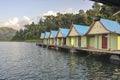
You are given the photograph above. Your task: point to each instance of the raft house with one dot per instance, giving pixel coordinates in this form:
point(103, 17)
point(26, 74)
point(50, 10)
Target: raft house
point(42, 37)
point(46, 40)
point(104, 34)
point(61, 36)
point(102, 37)
point(75, 37)
point(53, 39)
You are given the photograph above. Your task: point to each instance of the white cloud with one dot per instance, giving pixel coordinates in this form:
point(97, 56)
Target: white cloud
point(53, 13)
point(50, 13)
point(16, 23)
point(69, 10)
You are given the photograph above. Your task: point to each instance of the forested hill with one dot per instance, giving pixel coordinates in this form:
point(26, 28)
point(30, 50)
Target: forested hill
point(64, 20)
point(6, 33)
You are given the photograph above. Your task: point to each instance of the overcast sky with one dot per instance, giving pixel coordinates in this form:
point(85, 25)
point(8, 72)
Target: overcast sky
point(16, 13)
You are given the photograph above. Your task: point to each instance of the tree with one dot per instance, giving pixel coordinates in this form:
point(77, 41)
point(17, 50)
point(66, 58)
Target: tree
point(32, 31)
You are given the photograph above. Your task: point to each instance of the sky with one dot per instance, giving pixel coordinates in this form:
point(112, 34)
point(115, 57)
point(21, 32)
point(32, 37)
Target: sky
point(16, 13)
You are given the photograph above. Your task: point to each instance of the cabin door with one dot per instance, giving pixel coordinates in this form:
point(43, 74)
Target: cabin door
point(91, 42)
point(104, 41)
point(118, 42)
point(64, 41)
point(61, 41)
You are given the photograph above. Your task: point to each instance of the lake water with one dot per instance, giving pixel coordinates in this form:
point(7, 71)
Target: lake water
point(26, 61)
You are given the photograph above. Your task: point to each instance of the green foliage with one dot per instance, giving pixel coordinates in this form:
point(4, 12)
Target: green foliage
point(33, 30)
point(33, 40)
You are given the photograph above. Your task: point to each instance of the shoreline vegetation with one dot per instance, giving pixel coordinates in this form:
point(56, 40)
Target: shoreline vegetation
point(33, 40)
point(32, 31)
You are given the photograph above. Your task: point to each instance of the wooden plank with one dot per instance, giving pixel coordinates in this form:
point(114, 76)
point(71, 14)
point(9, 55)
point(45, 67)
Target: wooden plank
point(118, 42)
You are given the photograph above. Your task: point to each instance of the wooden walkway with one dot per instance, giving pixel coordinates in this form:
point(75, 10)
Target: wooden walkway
point(76, 49)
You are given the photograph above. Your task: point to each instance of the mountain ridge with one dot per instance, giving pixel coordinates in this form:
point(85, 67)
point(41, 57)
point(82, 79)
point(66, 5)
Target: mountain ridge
point(6, 33)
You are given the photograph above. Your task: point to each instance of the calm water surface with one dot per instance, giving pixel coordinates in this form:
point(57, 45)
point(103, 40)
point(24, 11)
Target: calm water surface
point(26, 61)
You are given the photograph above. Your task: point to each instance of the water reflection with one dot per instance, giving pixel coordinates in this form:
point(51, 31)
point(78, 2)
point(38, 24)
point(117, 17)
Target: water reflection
point(26, 61)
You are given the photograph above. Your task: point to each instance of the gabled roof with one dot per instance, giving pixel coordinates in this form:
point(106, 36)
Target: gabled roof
point(47, 34)
point(64, 31)
point(110, 25)
point(54, 33)
point(42, 35)
point(81, 29)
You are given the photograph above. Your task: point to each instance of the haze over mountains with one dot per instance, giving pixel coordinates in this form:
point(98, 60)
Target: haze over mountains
point(16, 23)
point(9, 28)
point(6, 33)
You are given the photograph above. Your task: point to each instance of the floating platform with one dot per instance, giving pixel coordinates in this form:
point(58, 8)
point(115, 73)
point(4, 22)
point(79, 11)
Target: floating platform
point(114, 55)
point(78, 49)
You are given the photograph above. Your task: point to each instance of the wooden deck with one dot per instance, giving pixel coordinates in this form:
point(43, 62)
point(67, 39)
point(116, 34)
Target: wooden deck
point(102, 51)
point(76, 49)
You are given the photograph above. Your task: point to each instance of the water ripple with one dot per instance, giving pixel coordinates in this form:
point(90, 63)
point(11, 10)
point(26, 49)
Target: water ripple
point(26, 61)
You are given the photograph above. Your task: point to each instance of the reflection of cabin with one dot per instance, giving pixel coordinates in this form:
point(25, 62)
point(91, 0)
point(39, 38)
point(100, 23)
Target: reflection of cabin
point(75, 36)
point(104, 34)
point(42, 37)
point(52, 37)
point(46, 38)
point(61, 36)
